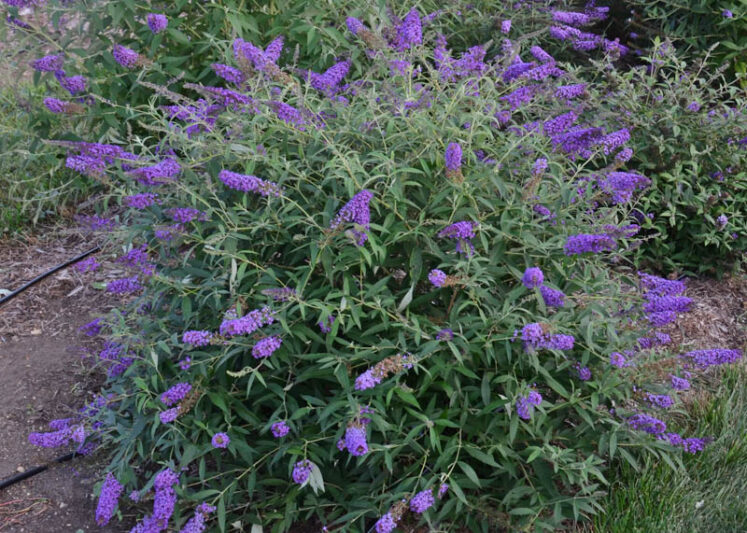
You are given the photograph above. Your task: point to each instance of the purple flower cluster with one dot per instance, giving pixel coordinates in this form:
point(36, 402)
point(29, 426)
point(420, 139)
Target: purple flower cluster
point(157, 22)
point(280, 429)
point(163, 504)
point(247, 324)
point(552, 297)
point(63, 434)
point(445, 334)
point(329, 82)
point(228, 73)
point(248, 183)
point(72, 84)
point(220, 440)
point(586, 242)
point(169, 415)
point(662, 401)
point(422, 501)
point(356, 211)
point(184, 215)
point(713, 357)
point(141, 200)
point(386, 524)
point(124, 286)
point(108, 499)
point(92, 329)
point(410, 32)
point(618, 360)
point(161, 172)
point(58, 106)
point(525, 405)
point(87, 265)
point(568, 92)
point(126, 57)
point(647, 423)
point(533, 277)
point(462, 232)
point(197, 338)
point(453, 157)
point(535, 338)
point(266, 347)
point(355, 441)
point(680, 383)
point(437, 277)
point(197, 524)
point(621, 185)
point(50, 63)
point(662, 299)
point(176, 394)
point(302, 471)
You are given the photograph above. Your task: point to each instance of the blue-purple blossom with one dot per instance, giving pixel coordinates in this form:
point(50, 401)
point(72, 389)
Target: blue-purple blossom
point(647, 423)
point(58, 106)
point(124, 286)
point(445, 334)
point(354, 25)
point(356, 211)
point(355, 441)
point(266, 347)
point(571, 18)
point(169, 415)
point(662, 401)
point(220, 440)
point(228, 73)
point(157, 22)
point(552, 297)
point(248, 183)
point(533, 277)
point(197, 524)
point(727, 14)
point(126, 57)
point(176, 394)
point(325, 326)
point(695, 444)
point(712, 357)
point(540, 55)
point(584, 372)
point(367, 380)
point(525, 405)
point(618, 360)
point(197, 338)
point(185, 363)
point(568, 92)
point(72, 84)
point(302, 471)
point(50, 63)
point(462, 232)
point(280, 429)
point(534, 338)
point(621, 185)
point(87, 265)
point(584, 242)
point(108, 499)
point(386, 524)
point(437, 277)
point(453, 157)
point(422, 501)
point(410, 32)
point(722, 221)
point(680, 383)
point(247, 324)
point(505, 26)
point(163, 504)
point(161, 172)
point(184, 215)
point(141, 200)
point(92, 328)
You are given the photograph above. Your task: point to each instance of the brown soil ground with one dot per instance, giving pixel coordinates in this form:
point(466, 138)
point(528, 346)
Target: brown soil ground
point(43, 377)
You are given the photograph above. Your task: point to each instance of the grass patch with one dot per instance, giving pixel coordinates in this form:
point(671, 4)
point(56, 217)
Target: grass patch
point(34, 184)
point(708, 495)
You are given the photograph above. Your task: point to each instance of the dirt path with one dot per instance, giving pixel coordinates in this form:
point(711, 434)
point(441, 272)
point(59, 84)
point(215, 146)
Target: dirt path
point(43, 376)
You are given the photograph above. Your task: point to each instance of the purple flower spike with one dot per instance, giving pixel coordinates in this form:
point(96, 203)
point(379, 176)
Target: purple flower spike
point(453, 157)
point(422, 501)
point(354, 25)
point(266, 347)
point(51, 63)
point(197, 338)
point(437, 277)
point(108, 497)
point(526, 404)
point(356, 211)
point(220, 440)
point(169, 415)
point(410, 32)
point(176, 394)
point(280, 429)
point(157, 22)
point(462, 232)
point(533, 277)
point(385, 524)
point(126, 57)
point(552, 297)
point(302, 471)
point(355, 441)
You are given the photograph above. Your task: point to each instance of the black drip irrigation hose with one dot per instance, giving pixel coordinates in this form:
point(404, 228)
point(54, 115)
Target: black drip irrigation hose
point(37, 279)
point(62, 458)
point(33, 471)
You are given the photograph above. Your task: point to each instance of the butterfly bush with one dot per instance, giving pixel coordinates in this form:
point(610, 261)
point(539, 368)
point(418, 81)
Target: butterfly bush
point(445, 368)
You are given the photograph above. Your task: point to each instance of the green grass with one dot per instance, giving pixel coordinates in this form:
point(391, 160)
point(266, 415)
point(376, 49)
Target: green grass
point(708, 496)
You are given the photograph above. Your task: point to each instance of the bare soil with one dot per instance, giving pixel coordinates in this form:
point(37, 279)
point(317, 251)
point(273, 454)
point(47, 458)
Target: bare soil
point(43, 376)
